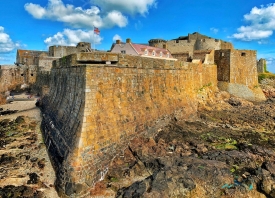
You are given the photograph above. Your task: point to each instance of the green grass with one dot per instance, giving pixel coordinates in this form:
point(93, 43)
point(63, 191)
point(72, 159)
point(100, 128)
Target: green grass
point(268, 75)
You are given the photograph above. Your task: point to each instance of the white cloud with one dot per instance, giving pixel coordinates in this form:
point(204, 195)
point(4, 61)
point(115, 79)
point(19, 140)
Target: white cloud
point(36, 10)
point(261, 24)
point(117, 37)
point(72, 37)
point(6, 43)
point(115, 18)
point(78, 17)
point(252, 35)
point(214, 30)
point(130, 6)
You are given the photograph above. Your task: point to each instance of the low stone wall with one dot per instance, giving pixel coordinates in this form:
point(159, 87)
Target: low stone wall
point(93, 110)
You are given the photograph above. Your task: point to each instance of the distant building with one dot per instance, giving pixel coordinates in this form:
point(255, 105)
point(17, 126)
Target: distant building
point(60, 51)
point(42, 60)
point(237, 66)
point(28, 57)
point(184, 47)
point(261, 66)
point(141, 50)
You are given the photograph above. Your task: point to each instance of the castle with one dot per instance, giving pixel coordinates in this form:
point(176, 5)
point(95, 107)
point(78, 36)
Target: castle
point(184, 47)
point(94, 103)
point(43, 59)
point(30, 64)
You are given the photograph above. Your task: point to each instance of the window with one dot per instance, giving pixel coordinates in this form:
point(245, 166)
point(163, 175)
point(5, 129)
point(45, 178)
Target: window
point(123, 52)
point(160, 54)
point(243, 54)
point(153, 53)
point(222, 54)
point(146, 52)
point(177, 41)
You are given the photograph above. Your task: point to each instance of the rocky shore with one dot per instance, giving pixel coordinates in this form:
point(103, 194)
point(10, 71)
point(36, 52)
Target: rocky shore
point(25, 168)
point(228, 151)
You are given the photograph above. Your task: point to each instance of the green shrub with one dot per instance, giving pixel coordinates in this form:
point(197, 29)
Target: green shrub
point(262, 76)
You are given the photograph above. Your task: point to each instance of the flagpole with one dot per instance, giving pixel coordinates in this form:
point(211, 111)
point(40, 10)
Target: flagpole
point(96, 31)
point(94, 37)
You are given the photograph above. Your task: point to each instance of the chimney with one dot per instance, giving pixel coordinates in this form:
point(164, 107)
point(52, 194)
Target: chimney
point(117, 41)
point(128, 40)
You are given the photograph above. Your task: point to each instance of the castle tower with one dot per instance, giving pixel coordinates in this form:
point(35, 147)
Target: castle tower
point(157, 43)
point(82, 46)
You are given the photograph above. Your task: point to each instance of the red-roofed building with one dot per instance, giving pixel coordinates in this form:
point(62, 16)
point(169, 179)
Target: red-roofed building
point(141, 50)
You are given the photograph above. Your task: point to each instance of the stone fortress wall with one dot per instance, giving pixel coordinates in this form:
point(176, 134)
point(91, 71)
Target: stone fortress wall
point(13, 76)
point(94, 109)
point(191, 43)
point(243, 68)
point(241, 78)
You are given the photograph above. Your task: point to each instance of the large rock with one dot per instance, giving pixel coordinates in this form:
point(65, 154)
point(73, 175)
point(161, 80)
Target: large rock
point(255, 95)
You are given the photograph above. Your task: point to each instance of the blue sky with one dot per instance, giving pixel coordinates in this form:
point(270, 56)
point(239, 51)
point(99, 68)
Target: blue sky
point(37, 24)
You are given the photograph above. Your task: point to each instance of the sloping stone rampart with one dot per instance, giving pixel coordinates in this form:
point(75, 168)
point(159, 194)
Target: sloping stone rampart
point(93, 110)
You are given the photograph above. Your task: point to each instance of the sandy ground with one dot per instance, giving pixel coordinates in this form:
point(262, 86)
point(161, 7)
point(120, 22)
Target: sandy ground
point(27, 108)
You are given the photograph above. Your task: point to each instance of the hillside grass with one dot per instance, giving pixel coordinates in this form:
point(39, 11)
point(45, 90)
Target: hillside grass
point(267, 75)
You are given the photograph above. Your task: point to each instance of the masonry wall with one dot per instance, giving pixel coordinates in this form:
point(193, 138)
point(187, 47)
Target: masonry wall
point(42, 84)
point(9, 78)
point(12, 77)
point(243, 68)
point(93, 110)
point(185, 56)
point(179, 46)
point(223, 61)
point(226, 45)
point(60, 51)
point(207, 44)
point(45, 63)
point(201, 54)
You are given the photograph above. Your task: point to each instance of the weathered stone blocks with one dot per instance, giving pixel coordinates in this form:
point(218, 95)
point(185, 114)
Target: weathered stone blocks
point(93, 110)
